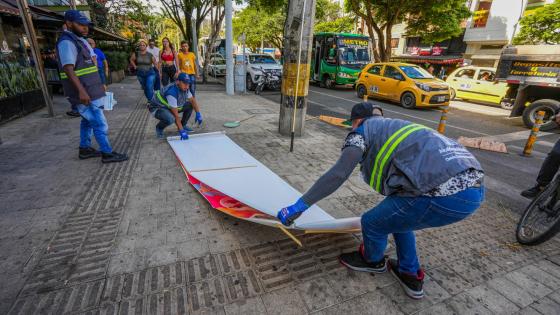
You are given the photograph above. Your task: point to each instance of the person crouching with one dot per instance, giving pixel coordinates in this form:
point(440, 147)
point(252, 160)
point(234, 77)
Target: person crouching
point(169, 102)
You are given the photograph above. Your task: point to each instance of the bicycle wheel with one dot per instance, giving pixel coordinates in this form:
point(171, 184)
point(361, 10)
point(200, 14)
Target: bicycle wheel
point(541, 219)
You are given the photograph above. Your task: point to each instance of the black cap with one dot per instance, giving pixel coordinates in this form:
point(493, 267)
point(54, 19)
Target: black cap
point(364, 110)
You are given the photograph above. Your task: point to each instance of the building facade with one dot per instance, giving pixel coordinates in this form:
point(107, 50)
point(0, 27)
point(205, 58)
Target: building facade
point(492, 26)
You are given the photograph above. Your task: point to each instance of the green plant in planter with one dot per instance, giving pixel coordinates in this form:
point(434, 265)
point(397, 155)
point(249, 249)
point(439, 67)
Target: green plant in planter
point(16, 79)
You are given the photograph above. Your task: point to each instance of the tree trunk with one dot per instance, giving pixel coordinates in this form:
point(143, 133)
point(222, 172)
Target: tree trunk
point(216, 18)
point(299, 20)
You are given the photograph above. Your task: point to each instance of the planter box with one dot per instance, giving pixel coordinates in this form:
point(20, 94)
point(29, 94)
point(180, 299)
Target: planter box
point(21, 104)
point(10, 108)
point(117, 76)
point(32, 101)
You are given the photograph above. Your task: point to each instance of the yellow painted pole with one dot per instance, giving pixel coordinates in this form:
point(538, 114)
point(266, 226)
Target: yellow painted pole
point(443, 120)
point(534, 132)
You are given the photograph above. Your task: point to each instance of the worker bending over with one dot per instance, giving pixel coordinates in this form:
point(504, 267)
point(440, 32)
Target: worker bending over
point(170, 101)
point(429, 181)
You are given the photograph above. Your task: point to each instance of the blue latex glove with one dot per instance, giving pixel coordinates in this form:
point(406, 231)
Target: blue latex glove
point(198, 118)
point(184, 134)
point(289, 214)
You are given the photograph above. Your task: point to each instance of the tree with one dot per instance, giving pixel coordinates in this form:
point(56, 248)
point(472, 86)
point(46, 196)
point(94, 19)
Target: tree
point(433, 20)
point(259, 26)
point(216, 18)
point(340, 25)
point(182, 12)
point(541, 27)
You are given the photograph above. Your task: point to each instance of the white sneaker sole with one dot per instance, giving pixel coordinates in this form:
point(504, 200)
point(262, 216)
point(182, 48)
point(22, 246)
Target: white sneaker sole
point(417, 295)
point(371, 270)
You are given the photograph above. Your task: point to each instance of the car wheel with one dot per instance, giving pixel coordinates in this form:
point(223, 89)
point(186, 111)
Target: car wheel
point(250, 84)
point(361, 91)
point(452, 94)
point(550, 108)
point(408, 100)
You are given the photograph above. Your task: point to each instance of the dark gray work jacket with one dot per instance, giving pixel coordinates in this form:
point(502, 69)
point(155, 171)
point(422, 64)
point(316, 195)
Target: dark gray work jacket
point(408, 159)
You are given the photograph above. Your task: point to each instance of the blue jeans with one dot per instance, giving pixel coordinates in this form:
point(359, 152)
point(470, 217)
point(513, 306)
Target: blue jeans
point(94, 122)
point(166, 118)
point(157, 82)
point(147, 80)
point(401, 216)
point(192, 86)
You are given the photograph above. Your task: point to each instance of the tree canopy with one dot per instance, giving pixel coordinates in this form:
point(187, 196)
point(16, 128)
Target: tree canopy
point(433, 20)
point(541, 27)
point(264, 20)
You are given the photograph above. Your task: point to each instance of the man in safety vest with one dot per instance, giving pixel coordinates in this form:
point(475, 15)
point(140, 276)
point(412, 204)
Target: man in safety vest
point(429, 181)
point(83, 87)
point(170, 101)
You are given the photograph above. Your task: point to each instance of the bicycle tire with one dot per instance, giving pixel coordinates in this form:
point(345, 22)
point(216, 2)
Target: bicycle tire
point(552, 231)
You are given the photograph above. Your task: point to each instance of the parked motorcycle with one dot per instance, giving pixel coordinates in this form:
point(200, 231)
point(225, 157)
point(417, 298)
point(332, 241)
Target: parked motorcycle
point(267, 79)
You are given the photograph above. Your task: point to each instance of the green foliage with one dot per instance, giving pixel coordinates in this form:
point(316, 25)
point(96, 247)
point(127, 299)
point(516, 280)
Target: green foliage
point(118, 60)
point(340, 25)
point(541, 27)
point(435, 20)
point(16, 79)
point(259, 25)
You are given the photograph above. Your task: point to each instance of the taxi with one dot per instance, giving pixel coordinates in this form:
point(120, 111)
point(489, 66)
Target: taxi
point(476, 84)
point(407, 84)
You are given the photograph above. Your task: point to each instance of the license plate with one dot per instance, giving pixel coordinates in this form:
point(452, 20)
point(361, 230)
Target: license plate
point(440, 99)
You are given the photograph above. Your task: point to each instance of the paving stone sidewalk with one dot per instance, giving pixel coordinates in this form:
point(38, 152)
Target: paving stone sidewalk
point(82, 237)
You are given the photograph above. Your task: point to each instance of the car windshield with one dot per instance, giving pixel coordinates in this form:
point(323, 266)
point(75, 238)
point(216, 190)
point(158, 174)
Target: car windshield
point(415, 72)
point(261, 59)
point(354, 55)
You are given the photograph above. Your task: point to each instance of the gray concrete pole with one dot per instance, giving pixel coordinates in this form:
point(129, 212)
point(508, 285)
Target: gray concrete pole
point(229, 47)
point(194, 47)
point(298, 38)
point(35, 53)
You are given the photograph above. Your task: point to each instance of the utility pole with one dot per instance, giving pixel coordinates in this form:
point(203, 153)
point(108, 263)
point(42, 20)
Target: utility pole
point(35, 53)
point(298, 36)
point(229, 47)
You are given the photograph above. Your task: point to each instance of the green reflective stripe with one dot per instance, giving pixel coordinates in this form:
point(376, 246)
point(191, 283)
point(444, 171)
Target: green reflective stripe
point(390, 152)
point(161, 99)
point(382, 151)
point(81, 72)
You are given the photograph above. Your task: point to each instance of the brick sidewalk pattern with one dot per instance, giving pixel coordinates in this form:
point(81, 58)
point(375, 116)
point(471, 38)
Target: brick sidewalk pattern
point(85, 238)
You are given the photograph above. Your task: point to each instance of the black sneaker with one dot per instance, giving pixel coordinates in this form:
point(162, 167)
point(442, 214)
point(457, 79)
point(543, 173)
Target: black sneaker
point(113, 157)
point(356, 261)
point(412, 284)
point(87, 153)
point(532, 192)
point(73, 113)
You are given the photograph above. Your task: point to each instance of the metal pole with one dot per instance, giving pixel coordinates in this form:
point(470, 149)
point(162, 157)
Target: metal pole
point(244, 62)
point(292, 135)
point(35, 53)
point(229, 47)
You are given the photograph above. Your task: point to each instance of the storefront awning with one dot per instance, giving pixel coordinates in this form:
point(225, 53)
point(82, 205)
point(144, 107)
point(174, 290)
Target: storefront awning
point(10, 7)
point(441, 60)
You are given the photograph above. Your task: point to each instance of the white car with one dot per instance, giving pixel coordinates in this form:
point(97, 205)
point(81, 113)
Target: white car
point(217, 65)
point(256, 63)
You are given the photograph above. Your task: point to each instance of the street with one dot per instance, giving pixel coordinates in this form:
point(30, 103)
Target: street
point(506, 174)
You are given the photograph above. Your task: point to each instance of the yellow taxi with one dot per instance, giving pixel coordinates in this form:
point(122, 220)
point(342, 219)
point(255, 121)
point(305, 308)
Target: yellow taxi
point(476, 84)
point(408, 84)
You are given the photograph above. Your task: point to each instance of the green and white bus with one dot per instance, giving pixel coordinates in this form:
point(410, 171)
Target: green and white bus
point(338, 58)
